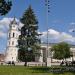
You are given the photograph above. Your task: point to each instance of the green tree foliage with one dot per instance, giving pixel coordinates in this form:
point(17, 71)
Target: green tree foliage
point(61, 50)
point(5, 7)
point(28, 40)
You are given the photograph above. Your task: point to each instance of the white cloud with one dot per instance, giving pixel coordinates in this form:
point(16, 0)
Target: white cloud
point(55, 36)
point(66, 37)
point(53, 32)
point(2, 34)
point(5, 22)
point(72, 23)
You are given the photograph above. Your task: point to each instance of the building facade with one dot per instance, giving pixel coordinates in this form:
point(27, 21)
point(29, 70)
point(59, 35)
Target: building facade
point(50, 55)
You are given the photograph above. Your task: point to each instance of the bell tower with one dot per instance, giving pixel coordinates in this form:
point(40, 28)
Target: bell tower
point(12, 50)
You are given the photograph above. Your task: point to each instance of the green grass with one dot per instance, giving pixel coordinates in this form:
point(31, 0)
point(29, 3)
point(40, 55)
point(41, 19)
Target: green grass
point(21, 70)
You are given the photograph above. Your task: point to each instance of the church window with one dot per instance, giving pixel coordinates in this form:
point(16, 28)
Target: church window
point(12, 42)
point(9, 42)
point(13, 34)
point(9, 35)
point(12, 57)
point(13, 25)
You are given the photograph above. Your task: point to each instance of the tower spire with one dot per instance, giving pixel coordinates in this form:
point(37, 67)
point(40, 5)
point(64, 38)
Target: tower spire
point(13, 21)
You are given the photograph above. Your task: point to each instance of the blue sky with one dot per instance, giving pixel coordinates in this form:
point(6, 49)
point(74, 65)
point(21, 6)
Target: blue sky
point(61, 18)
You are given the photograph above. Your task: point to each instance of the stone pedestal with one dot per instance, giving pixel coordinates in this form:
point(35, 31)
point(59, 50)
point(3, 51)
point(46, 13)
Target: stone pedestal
point(49, 62)
point(39, 58)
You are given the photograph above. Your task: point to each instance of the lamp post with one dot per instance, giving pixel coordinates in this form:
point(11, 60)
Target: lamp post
point(47, 4)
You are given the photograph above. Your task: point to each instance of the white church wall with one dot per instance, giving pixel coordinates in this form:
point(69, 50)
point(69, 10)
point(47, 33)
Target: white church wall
point(11, 54)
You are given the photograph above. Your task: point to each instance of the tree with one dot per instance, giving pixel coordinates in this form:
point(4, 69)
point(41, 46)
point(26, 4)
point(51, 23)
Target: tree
point(28, 41)
point(5, 7)
point(61, 51)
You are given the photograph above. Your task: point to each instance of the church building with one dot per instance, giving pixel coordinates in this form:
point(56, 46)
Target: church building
point(11, 53)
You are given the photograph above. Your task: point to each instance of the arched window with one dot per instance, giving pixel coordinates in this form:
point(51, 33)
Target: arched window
point(9, 42)
point(12, 57)
point(13, 34)
point(9, 35)
point(12, 42)
point(14, 26)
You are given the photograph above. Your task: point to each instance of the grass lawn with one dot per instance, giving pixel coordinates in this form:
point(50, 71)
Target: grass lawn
point(21, 70)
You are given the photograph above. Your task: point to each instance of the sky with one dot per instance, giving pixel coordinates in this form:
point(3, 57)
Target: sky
point(61, 20)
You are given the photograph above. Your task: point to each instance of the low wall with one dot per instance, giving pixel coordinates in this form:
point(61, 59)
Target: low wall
point(31, 63)
point(19, 63)
point(55, 63)
point(35, 64)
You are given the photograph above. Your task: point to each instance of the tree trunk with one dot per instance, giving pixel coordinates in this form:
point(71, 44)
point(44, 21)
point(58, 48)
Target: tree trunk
point(25, 64)
point(72, 59)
